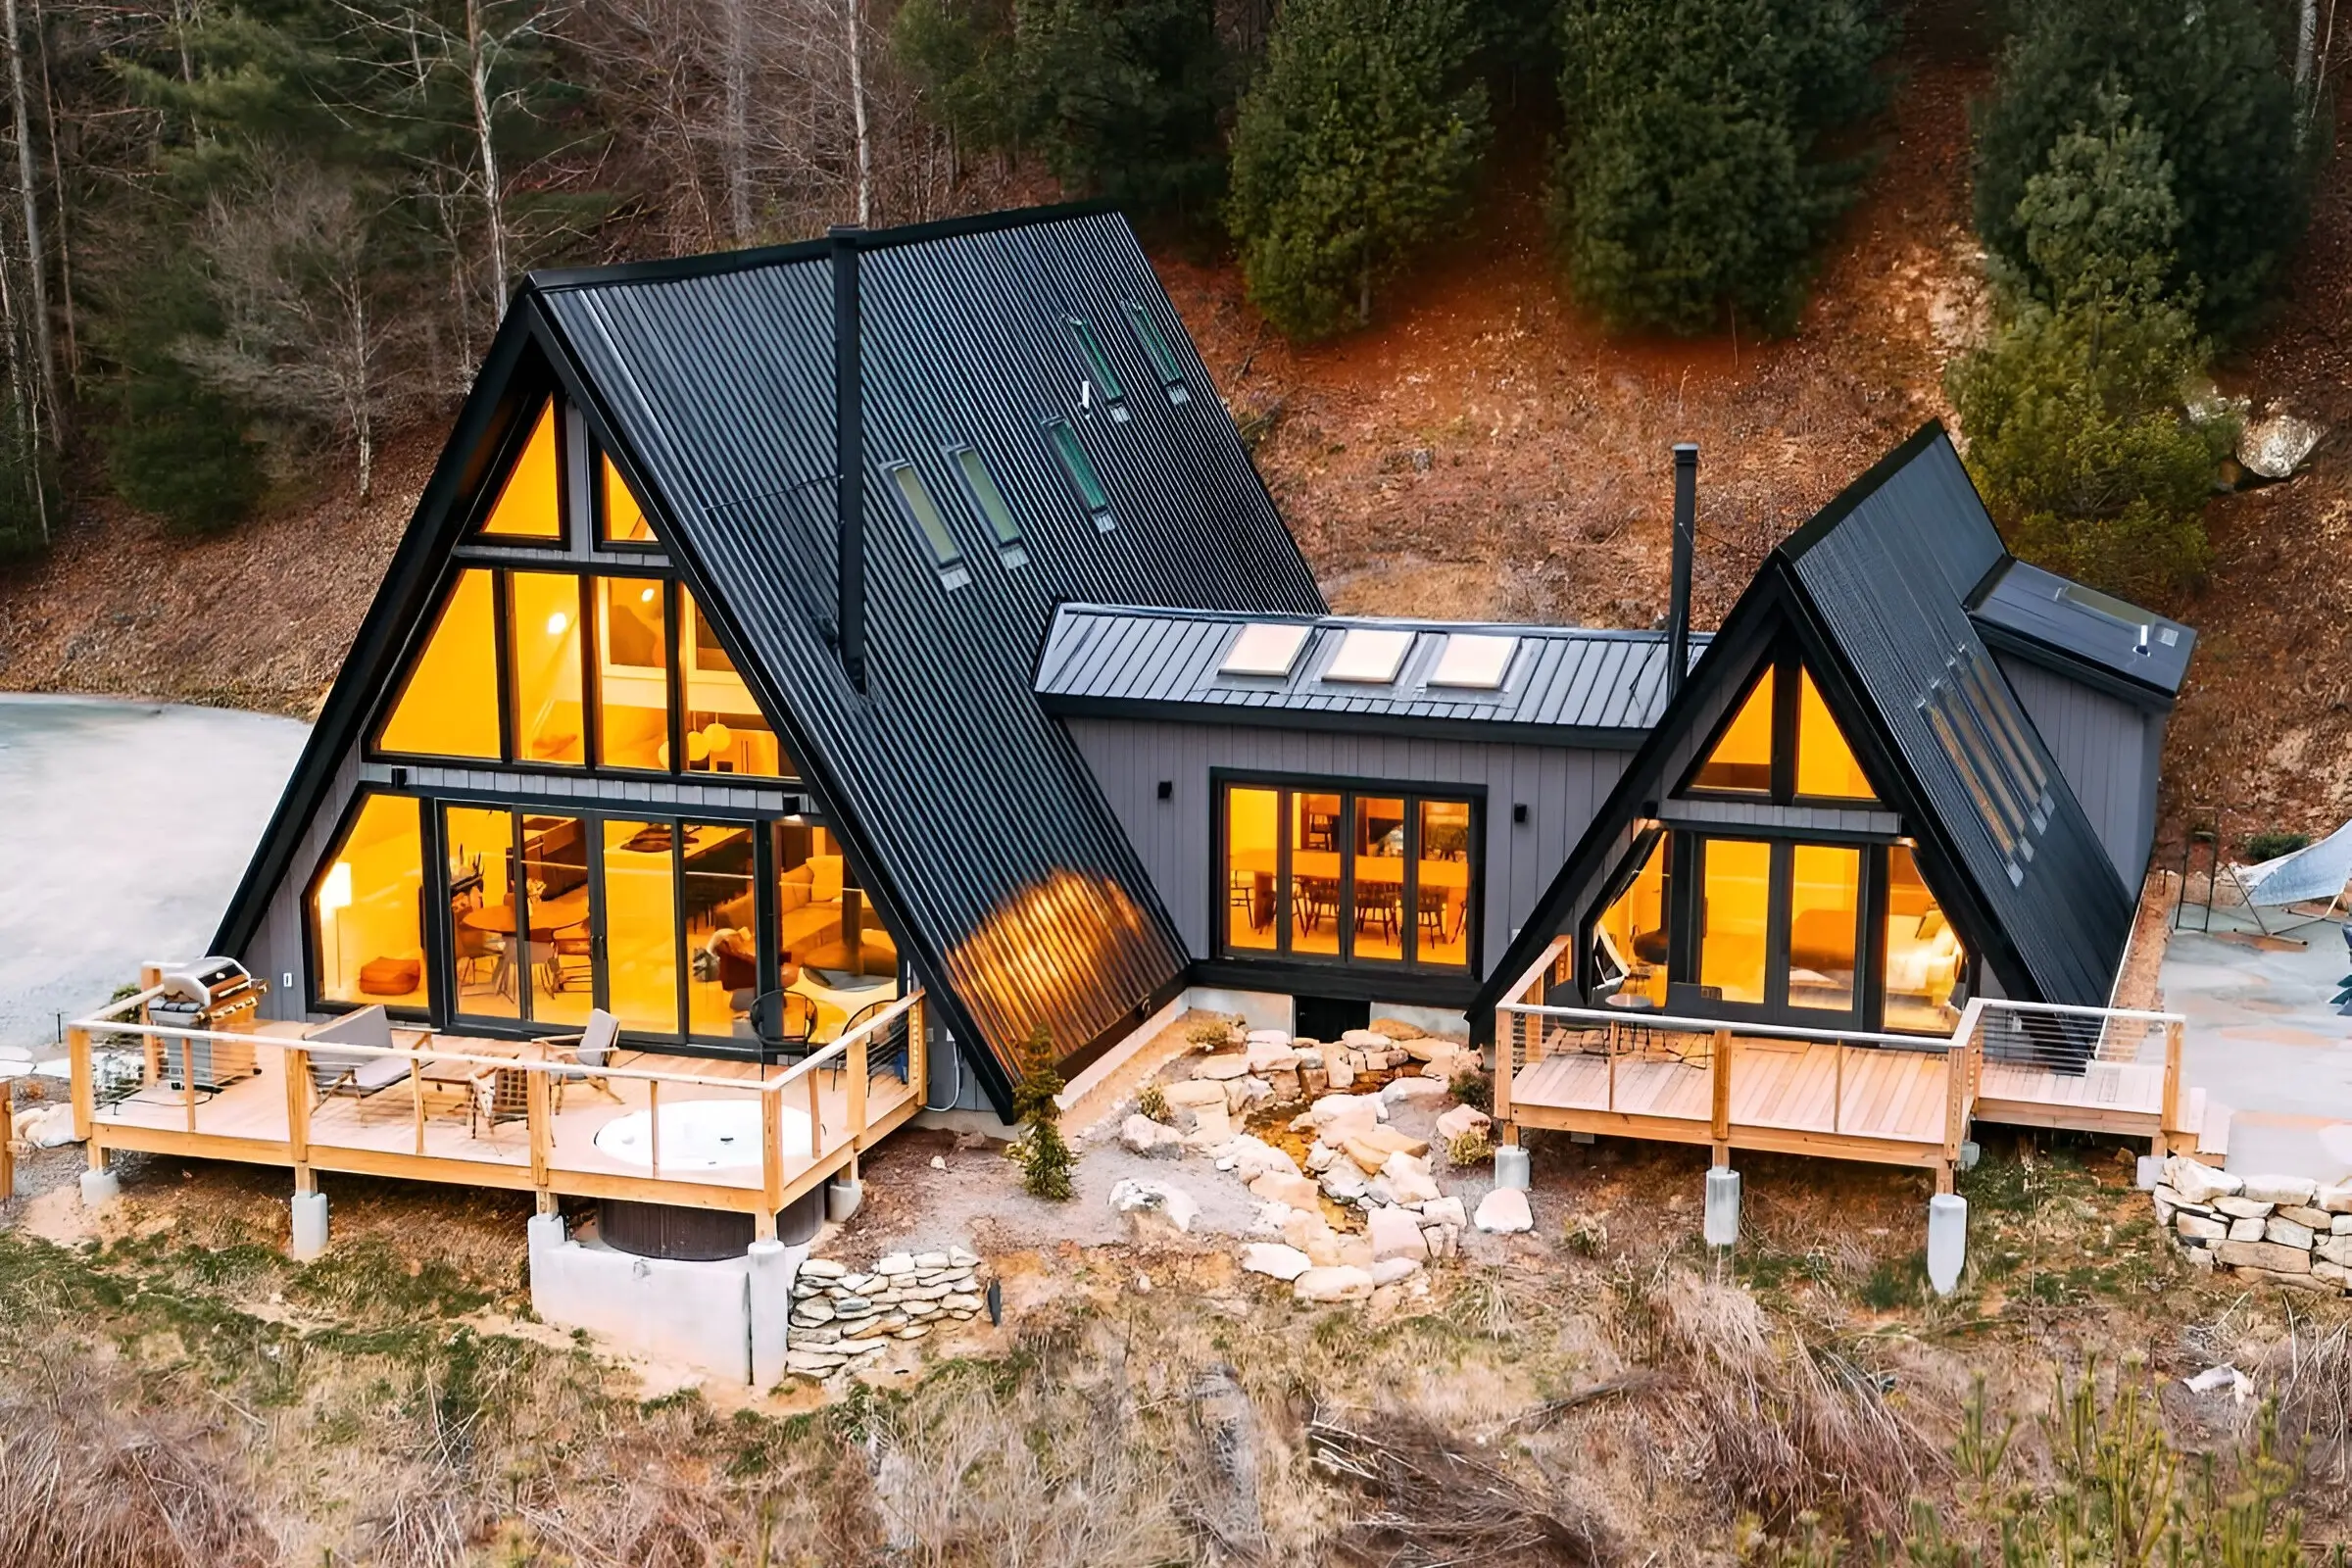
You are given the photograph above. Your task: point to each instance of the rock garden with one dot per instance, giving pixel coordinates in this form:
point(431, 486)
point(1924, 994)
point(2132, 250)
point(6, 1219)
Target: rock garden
point(2287, 1230)
point(1346, 1149)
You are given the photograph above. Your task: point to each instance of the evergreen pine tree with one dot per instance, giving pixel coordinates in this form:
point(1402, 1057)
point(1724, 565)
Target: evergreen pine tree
point(2208, 80)
point(1125, 99)
point(1355, 148)
point(1044, 1158)
point(1687, 183)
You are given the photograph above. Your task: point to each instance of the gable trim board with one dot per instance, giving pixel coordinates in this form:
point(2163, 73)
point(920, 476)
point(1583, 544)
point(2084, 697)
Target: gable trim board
point(1874, 589)
point(966, 812)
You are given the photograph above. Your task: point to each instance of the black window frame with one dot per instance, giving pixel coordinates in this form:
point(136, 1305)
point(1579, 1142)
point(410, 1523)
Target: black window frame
point(510, 452)
point(600, 504)
point(921, 507)
point(1789, 670)
point(978, 481)
point(1096, 356)
point(1411, 794)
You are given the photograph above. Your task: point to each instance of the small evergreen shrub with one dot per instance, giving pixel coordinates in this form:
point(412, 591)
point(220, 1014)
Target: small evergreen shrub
point(1152, 1103)
point(1476, 1088)
point(1043, 1156)
point(2272, 842)
point(1470, 1148)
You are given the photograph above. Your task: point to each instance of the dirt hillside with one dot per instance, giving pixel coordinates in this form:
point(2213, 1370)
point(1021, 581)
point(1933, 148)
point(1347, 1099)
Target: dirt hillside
point(1484, 450)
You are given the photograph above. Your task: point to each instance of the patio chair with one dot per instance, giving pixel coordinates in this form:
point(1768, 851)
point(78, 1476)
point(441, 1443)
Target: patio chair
point(782, 1021)
point(358, 1074)
point(591, 1049)
point(500, 1095)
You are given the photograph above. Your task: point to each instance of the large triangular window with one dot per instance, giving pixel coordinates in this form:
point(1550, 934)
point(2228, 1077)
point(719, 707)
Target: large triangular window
point(448, 703)
point(1782, 743)
point(530, 503)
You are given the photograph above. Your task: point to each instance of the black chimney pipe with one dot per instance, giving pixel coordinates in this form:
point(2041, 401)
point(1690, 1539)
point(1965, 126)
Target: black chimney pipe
point(849, 457)
point(1686, 539)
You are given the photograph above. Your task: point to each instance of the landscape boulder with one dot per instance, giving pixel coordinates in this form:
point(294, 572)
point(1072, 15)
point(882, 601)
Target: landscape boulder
point(1392, 1270)
point(1272, 1258)
point(1285, 1186)
point(2292, 1190)
point(1154, 1209)
point(2268, 1256)
point(1462, 1119)
point(1194, 1091)
point(2238, 1208)
point(1504, 1211)
point(1343, 1283)
point(1218, 1069)
point(2275, 446)
point(1395, 1234)
point(1401, 1089)
point(1141, 1135)
point(2200, 1184)
point(1444, 1211)
point(1252, 1158)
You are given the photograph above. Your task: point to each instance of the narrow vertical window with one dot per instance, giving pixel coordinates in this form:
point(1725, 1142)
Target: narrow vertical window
point(1252, 869)
point(1923, 957)
point(1441, 884)
point(632, 674)
point(1737, 876)
point(1824, 908)
point(368, 909)
point(987, 495)
point(486, 950)
point(1316, 873)
point(1155, 349)
point(1377, 920)
point(543, 660)
point(1629, 944)
point(946, 552)
point(1107, 380)
point(726, 731)
point(1080, 470)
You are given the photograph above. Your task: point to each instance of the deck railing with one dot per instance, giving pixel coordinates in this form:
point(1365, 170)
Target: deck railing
point(1860, 1091)
point(892, 1041)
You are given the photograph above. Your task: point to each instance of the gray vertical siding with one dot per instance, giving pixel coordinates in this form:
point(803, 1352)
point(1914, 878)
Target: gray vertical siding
point(277, 951)
point(1563, 789)
point(2107, 748)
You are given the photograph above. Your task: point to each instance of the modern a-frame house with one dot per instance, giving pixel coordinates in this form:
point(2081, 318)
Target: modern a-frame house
point(792, 628)
point(704, 667)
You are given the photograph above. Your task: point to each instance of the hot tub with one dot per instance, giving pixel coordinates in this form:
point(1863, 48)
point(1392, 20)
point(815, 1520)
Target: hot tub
point(698, 1134)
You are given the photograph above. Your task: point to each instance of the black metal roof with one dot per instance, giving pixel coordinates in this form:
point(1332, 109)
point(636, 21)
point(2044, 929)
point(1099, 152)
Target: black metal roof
point(1877, 586)
point(2052, 620)
point(985, 837)
point(1560, 686)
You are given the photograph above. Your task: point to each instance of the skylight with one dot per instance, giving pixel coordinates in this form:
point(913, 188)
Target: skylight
point(1107, 380)
point(1080, 472)
point(945, 551)
point(1474, 660)
point(1157, 349)
point(1370, 655)
point(985, 494)
point(1268, 648)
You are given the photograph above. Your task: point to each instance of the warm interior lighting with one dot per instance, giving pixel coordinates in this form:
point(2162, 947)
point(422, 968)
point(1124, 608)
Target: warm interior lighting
point(366, 929)
point(448, 702)
point(557, 623)
point(1925, 960)
point(1737, 905)
point(1630, 941)
point(1825, 762)
point(530, 503)
point(545, 681)
point(624, 521)
point(1824, 910)
point(646, 597)
point(1741, 760)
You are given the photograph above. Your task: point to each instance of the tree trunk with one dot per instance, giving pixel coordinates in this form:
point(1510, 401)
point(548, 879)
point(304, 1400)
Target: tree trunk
point(2307, 43)
point(736, 142)
point(35, 256)
point(363, 423)
point(866, 181)
point(477, 74)
point(56, 195)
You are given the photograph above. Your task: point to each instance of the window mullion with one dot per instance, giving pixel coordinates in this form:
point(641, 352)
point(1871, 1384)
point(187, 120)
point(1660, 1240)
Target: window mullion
point(1282, 808)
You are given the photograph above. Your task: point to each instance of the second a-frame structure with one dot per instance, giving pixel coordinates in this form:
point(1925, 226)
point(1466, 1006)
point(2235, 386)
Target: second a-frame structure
point(1846, 817)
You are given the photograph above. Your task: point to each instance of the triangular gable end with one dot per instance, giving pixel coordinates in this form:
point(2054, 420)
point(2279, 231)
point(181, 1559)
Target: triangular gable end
point(1781, 741)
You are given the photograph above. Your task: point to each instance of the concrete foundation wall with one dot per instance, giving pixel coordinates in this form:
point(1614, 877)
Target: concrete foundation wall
point(700, 1315)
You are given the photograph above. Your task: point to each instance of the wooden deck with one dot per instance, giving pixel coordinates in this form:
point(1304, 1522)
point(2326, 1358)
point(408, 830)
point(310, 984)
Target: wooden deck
point(797, 1126)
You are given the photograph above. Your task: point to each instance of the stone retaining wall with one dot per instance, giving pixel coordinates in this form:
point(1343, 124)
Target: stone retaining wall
point(2287, 1230)
point(842, 1319)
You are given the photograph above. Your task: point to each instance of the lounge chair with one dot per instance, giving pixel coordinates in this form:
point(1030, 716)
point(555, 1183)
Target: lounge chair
point(591, 1049)
point(358, 1074)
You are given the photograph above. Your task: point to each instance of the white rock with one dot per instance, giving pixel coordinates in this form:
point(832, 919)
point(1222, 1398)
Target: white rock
point(1401, 1089)
point(957, 1258)
point(1429, 1047)
point(1504, 1211)
point(895, 1265)
point(1444, 1240)
point(1194, 1091)
point(2311, 1219)
point(1284, 1263)
point(2341, 1224)
point(2197, 1183)
point(1395, 1234)
point(2336, 1250)
point(2167, 1205)
point(1244, 1092)
point(2197, 1228)
point(1462, 1119)
point(2334, 1200)
point(822, 1268)
point(1220, 1068)
point(1345, 1183)
point(1389, 1270)
point(1365, 1039)
point(1339, 1284)
point(2275, 446)
point(1252, 1158)
point(2286, 1233)
point(1320, 1156)
point(2247, 1230)
point(1211, 1127)
point(930, 1263)
point(2295, 1190)
point(2241, 1208)
point(1338, 1070)
point(1268, 1037)
point(813, 1364)
point(1444, 1211)
point(1141, 1135)
point(1285, 1186)
point(1268, 1057)
point(939, 1163)
point(1154, 1209)
point(1310, 1053)
point(1409, 1179)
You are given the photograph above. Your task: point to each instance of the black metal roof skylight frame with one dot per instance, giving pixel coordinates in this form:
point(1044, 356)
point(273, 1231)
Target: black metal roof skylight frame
point(988, 499)
point(930, 522)
point(1155, 349)
point(1078, 467)
point(1098, 359)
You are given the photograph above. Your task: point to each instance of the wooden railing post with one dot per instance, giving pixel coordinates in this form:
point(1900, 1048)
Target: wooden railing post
point(85, 1089)
point(857, 1056)
point(8, 1133)
point(297, 1066)
point(1723, 1097)
point(653, 1123)
point(1838, 1091)
point(816, 1119)
point(1507, 1040)
point(771, 1157)
point(534, 1103)
point(2169, 1134)
point(918, 1047)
